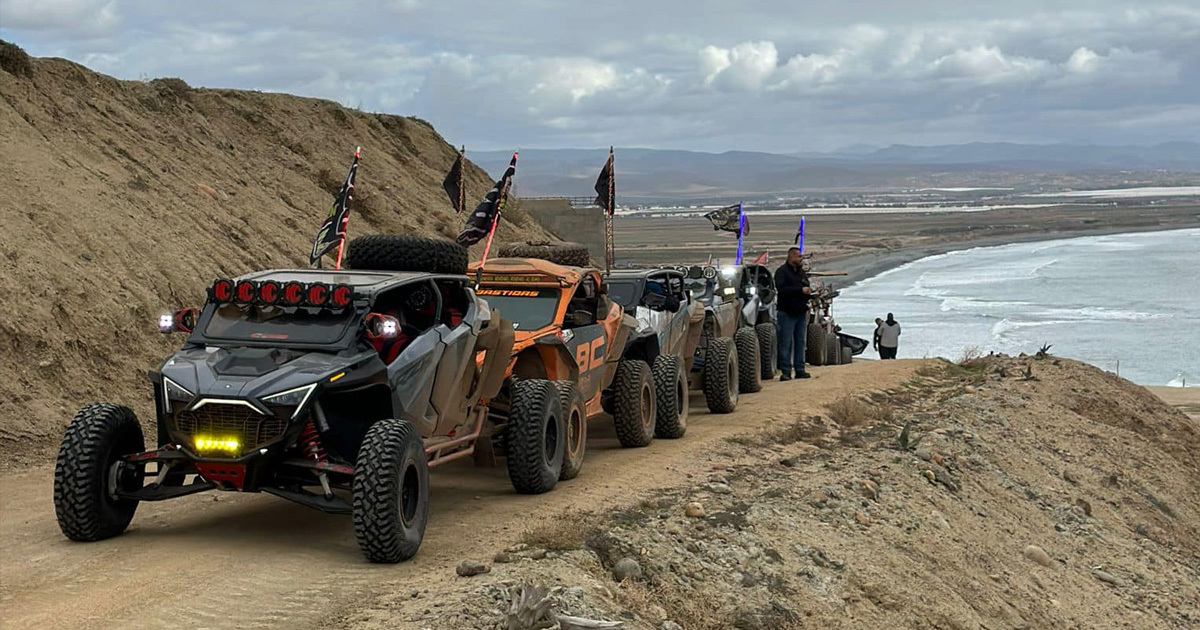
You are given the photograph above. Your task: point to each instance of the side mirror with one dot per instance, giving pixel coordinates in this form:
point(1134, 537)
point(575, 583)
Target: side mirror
point(582, 318)
point(654, 301)
point(380, 326)
point(183, 320)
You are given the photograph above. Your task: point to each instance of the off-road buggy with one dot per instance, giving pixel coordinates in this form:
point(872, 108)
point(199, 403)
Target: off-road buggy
point(570, 337)
point(825, 343)
point(726, 361)
point(670, 322)
point(756, 287)
point(334, 389)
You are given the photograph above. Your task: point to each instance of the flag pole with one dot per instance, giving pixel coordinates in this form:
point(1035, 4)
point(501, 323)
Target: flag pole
point(610, 253)
point(800, 236)
point(346, 223)
point(741, 231)
point(503, 201)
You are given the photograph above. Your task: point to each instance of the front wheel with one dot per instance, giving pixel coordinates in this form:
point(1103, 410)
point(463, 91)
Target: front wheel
point(89, 471)
point(671, 389)
point(535, 437)
point(749, 368)
point(768, 350)
point(634, 404)
point(391, 492)
point(833, 349)
point(721, 375)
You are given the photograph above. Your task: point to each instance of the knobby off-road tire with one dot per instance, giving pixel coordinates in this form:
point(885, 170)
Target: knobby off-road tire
point(847, 355)
point(814, 346)
point(721, 376)
point(97, 437)
point(833, 349)
point(386, 252)
point(536, 436)
point(570, 254)
point(749, 366)
point(634, 404)
point(391, 492)
point(574, 412)
point(768, 350)
point(671, 390)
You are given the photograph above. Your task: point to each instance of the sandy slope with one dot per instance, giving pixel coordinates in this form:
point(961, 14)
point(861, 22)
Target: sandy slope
point(122, 200)
point(257, 561)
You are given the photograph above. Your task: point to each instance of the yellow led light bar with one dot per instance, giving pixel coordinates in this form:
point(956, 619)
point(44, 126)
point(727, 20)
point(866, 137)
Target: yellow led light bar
point(216, 444)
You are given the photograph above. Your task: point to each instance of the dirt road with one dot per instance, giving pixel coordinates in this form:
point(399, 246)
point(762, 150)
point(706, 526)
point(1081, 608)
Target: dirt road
point(225, 560)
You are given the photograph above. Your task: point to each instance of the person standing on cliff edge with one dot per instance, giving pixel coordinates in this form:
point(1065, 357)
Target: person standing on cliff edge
point(889, 338)
point(792, 285)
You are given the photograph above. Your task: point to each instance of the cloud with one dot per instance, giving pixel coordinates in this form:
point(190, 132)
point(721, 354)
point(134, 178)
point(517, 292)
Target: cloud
point(702, 74)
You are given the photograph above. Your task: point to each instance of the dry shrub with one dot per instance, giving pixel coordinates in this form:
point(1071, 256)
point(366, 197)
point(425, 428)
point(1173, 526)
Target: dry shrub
point(806, 429)
point(852, 414)
point(14, 60)
point(690, 609)
point(569, 532)
point(172, 87)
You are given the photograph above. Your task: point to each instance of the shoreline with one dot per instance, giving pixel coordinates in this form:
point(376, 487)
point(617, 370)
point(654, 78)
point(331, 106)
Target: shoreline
point(860, 266)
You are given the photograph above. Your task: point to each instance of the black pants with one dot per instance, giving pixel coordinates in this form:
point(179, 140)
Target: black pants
point(887, 353)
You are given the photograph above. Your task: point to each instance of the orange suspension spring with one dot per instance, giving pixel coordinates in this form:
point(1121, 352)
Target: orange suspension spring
point(310, 442)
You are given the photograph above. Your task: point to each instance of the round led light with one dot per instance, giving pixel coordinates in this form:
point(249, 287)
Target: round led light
point(222, 291)
point(268, 292)
point(293, 293)
point(341, 296)
point(245, 292)
point(318, 294)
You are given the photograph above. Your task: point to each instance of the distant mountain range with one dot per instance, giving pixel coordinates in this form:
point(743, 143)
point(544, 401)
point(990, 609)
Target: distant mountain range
point(653, 175)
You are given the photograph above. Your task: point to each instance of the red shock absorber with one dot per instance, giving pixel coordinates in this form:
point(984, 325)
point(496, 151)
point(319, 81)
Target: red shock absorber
point(310, 442)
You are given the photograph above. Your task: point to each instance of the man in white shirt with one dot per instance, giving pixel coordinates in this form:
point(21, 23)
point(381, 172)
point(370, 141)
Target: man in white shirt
point(889, 338)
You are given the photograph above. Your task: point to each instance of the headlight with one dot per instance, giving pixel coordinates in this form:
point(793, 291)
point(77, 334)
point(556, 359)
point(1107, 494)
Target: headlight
point(291, 398)
point(729, 272)
point(174, 391)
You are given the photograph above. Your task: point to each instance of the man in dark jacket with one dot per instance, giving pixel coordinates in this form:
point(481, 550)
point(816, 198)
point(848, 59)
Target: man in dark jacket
point(791, 283)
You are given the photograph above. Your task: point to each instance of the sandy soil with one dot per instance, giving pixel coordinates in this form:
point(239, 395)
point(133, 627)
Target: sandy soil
point(1186, 399)
point(257, 561)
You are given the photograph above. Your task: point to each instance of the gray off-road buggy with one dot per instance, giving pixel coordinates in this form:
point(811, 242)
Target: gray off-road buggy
point(670, 322)
point(825, 343)
point(726, 362)
point(757, 290)
point(334, 389)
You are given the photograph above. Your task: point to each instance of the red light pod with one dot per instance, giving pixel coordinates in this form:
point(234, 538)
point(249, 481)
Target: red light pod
point(341, 296)
point(245, 292)
point(268, 292)
point(222, 291)
point(318, 294)
point(293, 293)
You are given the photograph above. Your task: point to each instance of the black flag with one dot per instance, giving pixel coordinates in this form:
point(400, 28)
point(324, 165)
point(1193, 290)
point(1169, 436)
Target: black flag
point(483, 218)
point(606, 189)
point(728, 219)
point(453, 184)
point(333, 230)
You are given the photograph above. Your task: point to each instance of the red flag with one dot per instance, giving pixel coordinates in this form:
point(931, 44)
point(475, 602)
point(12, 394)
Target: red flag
point(762, 258)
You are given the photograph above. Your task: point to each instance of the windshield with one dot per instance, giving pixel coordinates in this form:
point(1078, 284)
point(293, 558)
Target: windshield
point(279, 324)
point(624, 292)
point(528, 309)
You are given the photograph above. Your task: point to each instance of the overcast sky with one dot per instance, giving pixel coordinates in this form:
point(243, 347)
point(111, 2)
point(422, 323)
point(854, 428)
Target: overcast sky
point(784, 75)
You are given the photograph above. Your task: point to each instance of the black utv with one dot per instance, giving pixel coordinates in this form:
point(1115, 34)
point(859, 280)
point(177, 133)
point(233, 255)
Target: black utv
point(334, 389)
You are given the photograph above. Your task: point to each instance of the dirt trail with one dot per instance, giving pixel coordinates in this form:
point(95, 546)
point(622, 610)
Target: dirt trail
point(256, 561)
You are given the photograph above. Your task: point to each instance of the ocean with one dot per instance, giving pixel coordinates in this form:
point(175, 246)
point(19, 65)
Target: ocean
point(1126, 303)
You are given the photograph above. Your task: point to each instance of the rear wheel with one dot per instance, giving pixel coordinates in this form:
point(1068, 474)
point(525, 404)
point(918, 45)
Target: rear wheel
point(536, 436)
point(671, 390)
point(391, 492)
point(833, 349)
point(575, 419)
point(749, 368)
point(634, 403)
point(88, 472)
point(721, 376)
point(814, 345)
point(768, 350)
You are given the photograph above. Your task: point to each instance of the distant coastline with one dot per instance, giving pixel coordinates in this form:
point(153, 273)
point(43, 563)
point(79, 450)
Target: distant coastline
point(862, 265)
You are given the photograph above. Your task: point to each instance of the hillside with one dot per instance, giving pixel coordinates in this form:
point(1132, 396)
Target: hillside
point(122, 200)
